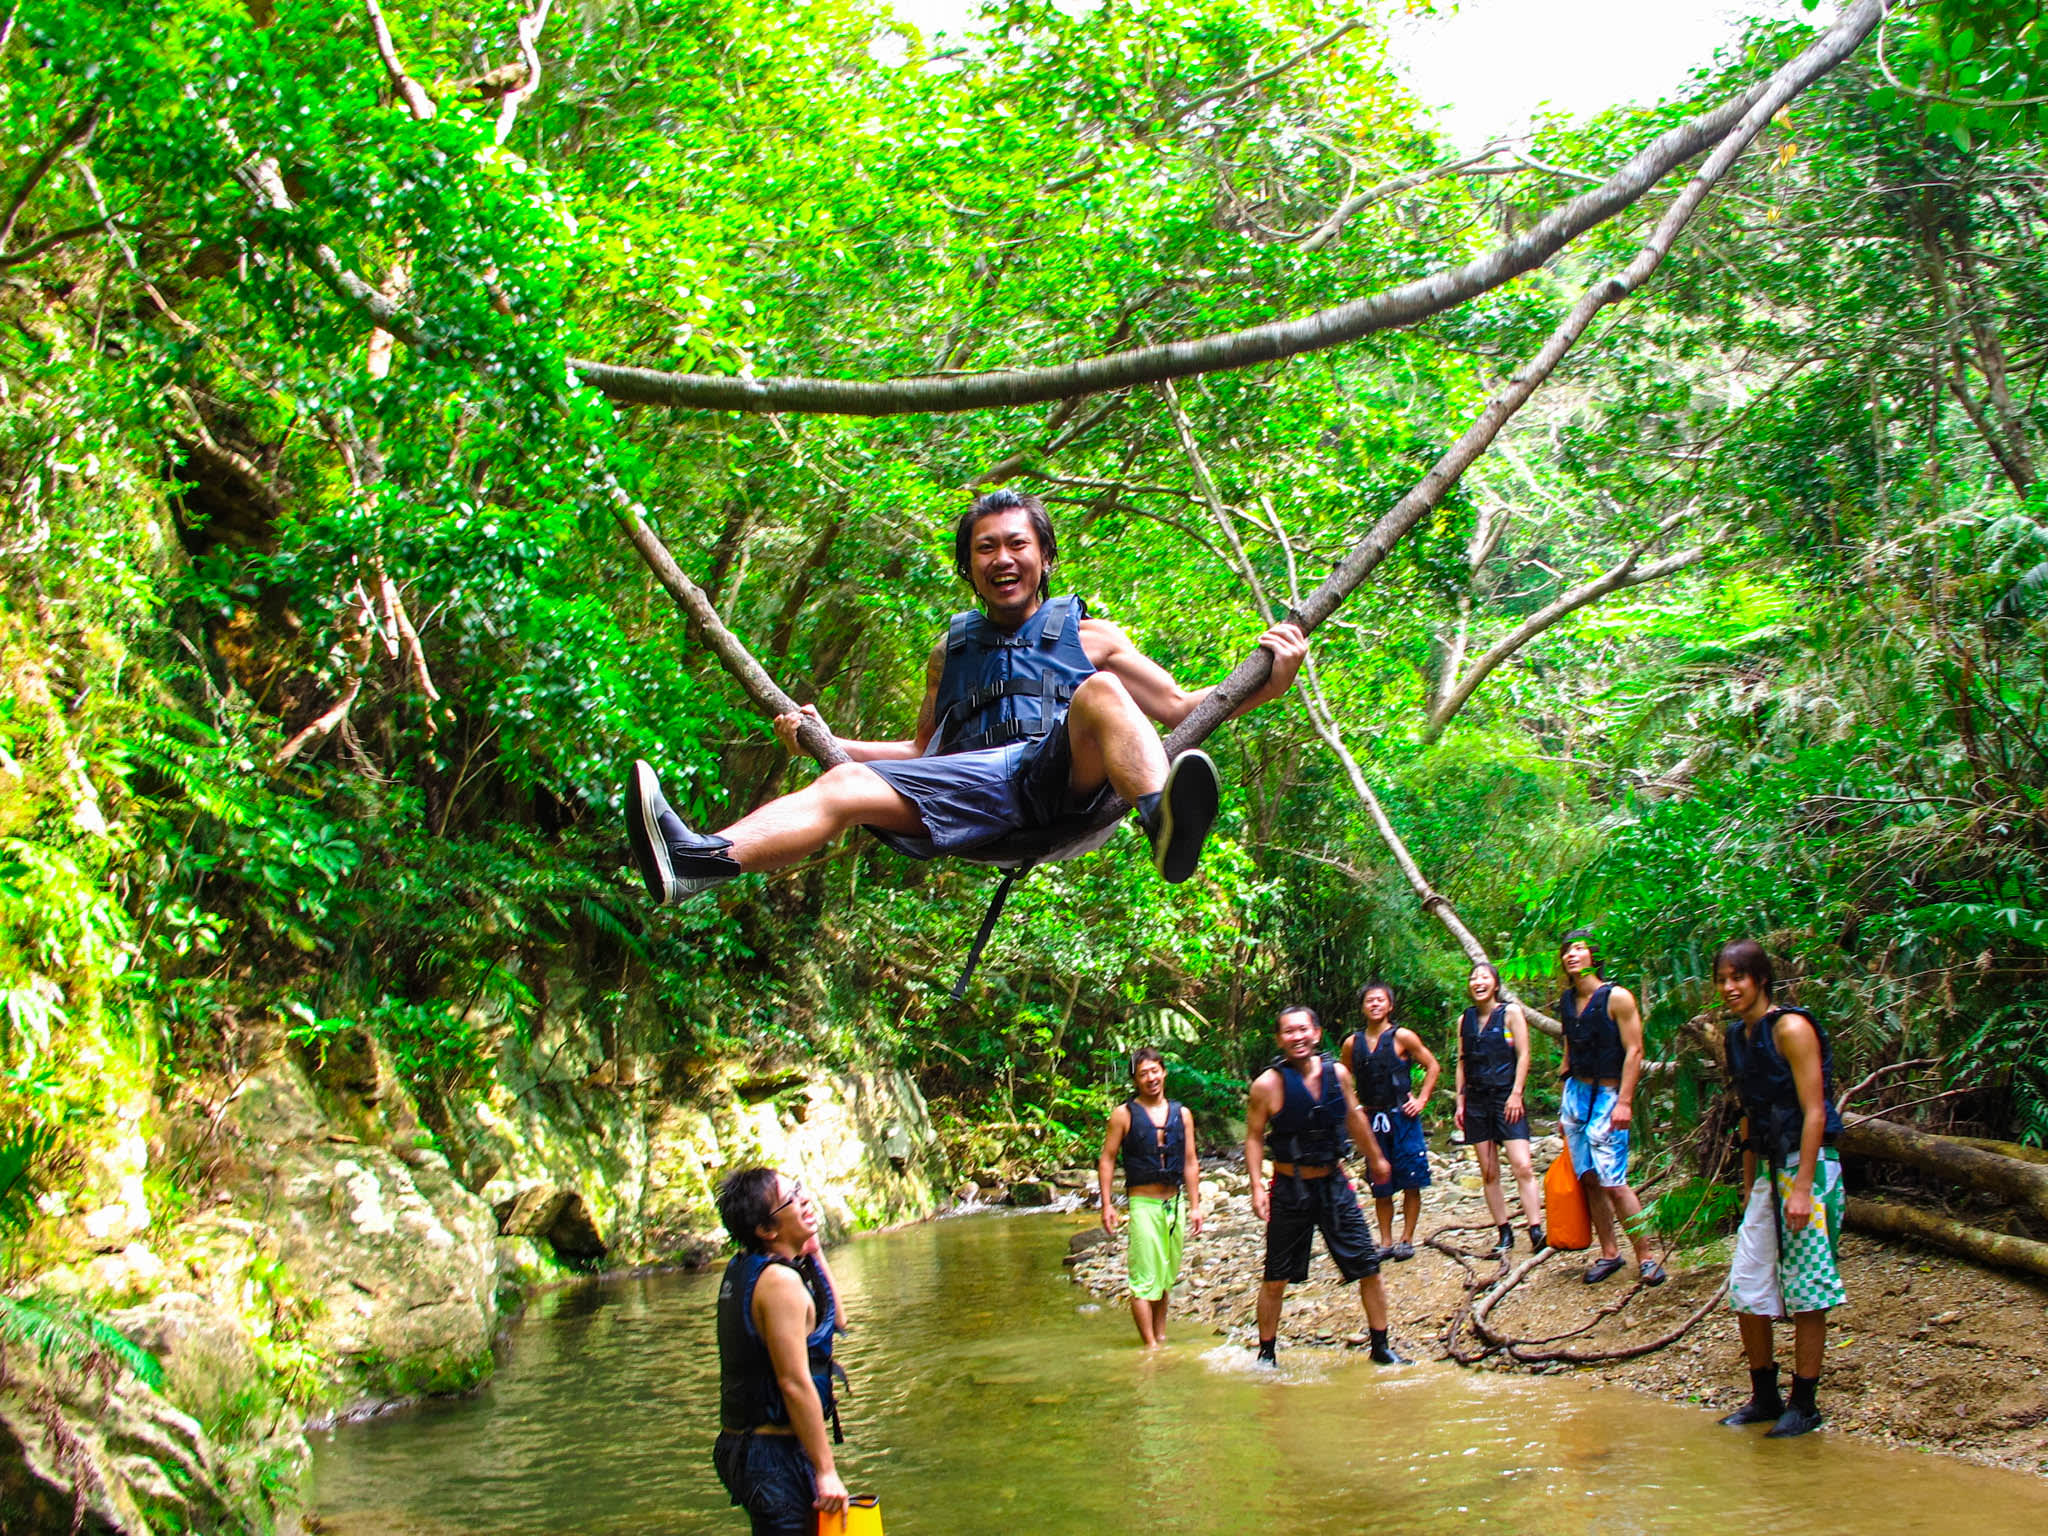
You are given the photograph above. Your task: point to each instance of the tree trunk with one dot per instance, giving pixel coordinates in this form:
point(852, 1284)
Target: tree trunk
point(2025, 1184)
point(1883, 1219)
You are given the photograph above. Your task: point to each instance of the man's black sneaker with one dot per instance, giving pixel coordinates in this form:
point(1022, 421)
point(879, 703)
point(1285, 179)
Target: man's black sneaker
point(1601, 1269)
point(674, 861)
point(1769, 1411)
point(1794, 1421)
point(1178, 818)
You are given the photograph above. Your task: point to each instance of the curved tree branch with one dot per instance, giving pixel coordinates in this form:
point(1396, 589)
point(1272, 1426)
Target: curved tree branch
point(1733, 122)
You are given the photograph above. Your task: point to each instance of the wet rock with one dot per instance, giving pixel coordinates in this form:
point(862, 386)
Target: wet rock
point(1087, 1238)
point(1031, 1192)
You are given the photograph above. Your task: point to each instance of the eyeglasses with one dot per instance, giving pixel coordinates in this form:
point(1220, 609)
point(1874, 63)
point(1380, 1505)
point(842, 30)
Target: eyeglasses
point(796, 1193)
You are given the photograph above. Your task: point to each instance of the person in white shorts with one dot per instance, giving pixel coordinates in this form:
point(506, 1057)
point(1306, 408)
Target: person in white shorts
point(1784, 1263)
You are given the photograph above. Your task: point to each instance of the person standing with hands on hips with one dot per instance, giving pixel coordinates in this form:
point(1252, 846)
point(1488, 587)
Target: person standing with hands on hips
point(1381, 1058)
point(1163, 1184)
point(1603, 1061)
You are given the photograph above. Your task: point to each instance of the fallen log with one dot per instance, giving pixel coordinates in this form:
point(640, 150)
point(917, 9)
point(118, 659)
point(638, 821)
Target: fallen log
point(2012, 1149)
point(2024, 1184)
point(1881, 1218)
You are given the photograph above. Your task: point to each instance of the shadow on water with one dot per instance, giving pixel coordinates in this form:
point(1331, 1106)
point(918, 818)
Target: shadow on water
point(988, 1394)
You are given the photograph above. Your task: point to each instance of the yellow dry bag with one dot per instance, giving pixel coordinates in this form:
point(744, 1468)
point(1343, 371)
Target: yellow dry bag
point(863, 1517)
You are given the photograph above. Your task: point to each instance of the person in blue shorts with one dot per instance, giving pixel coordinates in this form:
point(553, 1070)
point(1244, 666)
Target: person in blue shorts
point(1034, 714)
point(1382, 1058)
point(1603, 1061)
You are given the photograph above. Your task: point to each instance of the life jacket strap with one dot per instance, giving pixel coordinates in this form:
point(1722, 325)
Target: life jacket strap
point(988, 925)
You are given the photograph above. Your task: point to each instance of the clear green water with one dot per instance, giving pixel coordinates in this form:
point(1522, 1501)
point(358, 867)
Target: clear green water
point(991, 1398)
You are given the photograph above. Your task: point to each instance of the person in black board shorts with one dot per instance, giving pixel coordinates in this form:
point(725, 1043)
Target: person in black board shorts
point(1784, 1263)
point(1307, 1102)
point(1603, 1059)
point(1381, 1059)
point(777, 1313)
point(1493, 1069)
point(1162, 1183)
point(1033, 714)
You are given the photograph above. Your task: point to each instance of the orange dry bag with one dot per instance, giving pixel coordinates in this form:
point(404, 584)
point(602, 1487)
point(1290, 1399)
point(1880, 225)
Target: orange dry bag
point(863, 1517)
point(1566, 1221)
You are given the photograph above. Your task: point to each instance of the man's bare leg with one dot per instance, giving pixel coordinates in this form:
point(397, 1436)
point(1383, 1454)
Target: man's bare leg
point(1159, 1318)
point(1622, 1200)
point(1271, 1294)
point(795, 826)
point(1111, 740)
point(1141, 1314)
point(1372, 1295)
point(1602, 1214)
point(1411, 1213)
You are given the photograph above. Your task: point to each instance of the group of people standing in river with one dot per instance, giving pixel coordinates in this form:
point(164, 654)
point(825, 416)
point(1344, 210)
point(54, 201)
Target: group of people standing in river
point(1037, 719)
point(1307, 1112)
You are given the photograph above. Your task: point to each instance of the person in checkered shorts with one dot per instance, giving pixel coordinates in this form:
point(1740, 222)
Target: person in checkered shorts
point(1784, 1262)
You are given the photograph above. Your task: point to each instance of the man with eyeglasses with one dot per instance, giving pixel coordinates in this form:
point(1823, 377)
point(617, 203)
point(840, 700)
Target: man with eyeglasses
point(777, 1313)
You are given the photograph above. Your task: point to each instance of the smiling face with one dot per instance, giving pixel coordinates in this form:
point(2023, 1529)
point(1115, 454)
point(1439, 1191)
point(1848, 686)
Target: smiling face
point(793, 1220)
point(1576, 958)
point(1150, 1076)
point(1482, 986)
point(1298, 1035)
point(1006, 564)
point(1377, 1006)
point(1743, 993)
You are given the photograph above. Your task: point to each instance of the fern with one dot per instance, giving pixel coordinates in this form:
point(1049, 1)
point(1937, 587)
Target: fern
point(57, 1331)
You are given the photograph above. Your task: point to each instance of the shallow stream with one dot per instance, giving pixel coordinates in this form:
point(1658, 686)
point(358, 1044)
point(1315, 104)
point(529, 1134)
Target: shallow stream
point(992, 1396)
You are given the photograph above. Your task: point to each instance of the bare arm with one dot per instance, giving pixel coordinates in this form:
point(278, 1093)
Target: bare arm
point(816, 1249)
point(1518, 1026)
point(1409, 1041)
point(1621, 1007)
point(1105, 1163)
point(1153, 689)
point(1360, 1125)
point(1257, 1111)
point(1800, 1047)
point(1191, 1171)
point(1458, 1099)
point(782, 1313)
point(880, 751)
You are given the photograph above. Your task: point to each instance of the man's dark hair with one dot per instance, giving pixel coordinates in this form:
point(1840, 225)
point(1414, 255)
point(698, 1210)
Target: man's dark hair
point(1574, 937)
point(1145, 1053)
point(1313, 1017)
point(989, 506)
point(746, 1203)
point(1376, 985)
point(1746, 957)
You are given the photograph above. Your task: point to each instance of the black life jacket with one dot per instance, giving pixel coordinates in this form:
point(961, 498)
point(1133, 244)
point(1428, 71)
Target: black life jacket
point(748, 1394)
point(1002, 686)
point(1384, 1078)
point(1487, 1050)
point(1594, 1038)
point(1155, 1154)
point(1769, 1093)
point(1308, 1130)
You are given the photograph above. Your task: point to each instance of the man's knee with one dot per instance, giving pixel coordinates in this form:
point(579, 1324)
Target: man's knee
point(1103, 695)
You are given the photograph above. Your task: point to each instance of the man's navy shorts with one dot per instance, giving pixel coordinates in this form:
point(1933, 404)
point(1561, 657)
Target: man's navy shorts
point(1300, 1208)
point(769, 1476)
point(1404, 1145)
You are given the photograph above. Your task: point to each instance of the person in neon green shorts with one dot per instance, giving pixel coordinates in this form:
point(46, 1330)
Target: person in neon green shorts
point(1162, 1181)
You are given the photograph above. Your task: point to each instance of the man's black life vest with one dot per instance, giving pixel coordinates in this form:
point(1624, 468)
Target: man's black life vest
point(1594, 1038)
point(1002, 686)
point(1769, 1093)
point(1384, 1078)
point(748, 1394)
point(1488, 1051)
point(1308, 1130)
point(1155, 1154)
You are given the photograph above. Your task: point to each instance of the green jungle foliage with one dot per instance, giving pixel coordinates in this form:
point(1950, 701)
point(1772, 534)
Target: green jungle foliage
point(321, 659)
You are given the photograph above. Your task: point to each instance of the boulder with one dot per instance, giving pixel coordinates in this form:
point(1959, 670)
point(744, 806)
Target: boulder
point(1032, 1192)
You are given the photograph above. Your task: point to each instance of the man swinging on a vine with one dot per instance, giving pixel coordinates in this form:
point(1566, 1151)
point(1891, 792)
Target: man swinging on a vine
point(1033, 715)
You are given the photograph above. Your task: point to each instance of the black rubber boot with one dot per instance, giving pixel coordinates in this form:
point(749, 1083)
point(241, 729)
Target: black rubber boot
point(1383, 1351)
point(1765, 1402)
point(1800, 1416)
point(1506, 1245)
point(1535, 1238)
point(673, 861)
point(1178, 818)
point(1269, 1353)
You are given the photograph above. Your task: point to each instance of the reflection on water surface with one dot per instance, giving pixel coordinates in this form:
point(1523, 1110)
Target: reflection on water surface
point(986, 1399)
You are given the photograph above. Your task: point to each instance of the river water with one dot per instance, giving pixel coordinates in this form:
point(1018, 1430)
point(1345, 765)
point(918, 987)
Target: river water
point(992, 1397)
